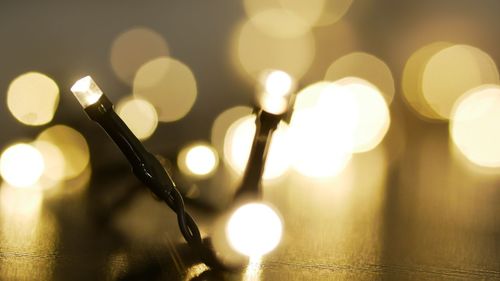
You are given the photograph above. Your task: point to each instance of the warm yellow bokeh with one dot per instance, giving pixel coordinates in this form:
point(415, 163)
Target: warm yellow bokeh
point(312, 12)
point(453, 71)
point(321, 130)
point(199, 160)
point(21, 165)
point(55, 164)
point(474, 125)
point(364, 66)
point(72, 145)
point(133, 48)
point(413, 76)
point(333, 120)
point(255, 51)
point(238, 142)
point(169, 85)
point(139, 115)
point(254, 229)
point(32, 98)
point(373, 118)
point(333, 11)
point(222, 123)
point(279, 23)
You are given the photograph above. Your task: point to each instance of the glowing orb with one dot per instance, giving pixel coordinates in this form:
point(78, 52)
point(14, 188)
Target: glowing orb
point(254, 229)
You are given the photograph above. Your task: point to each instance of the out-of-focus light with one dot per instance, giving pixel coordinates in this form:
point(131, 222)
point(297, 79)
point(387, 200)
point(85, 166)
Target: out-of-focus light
point(453, 71)
point(313, 12)
point(133, 48)
point(86, 91)
point(277, 87)
point(412, 79)
point(54, 163)
point(321, 146)
point(364, 66)
point(307, 13)
point(474, 125)
point(169, 85)
point(280, 23)
point(238, 142)
point(255, 51)
point(373, 117)
point(333, 11)
point(254, 229)
point(322, 130)
point(198, 160)
point(72, 145)
point(21, 165)
point(139, 115)
point(32, 98)
point(223, 122)
point(21, 204)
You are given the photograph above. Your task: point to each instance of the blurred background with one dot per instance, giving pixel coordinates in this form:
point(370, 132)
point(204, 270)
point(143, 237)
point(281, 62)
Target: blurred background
point(388, 166)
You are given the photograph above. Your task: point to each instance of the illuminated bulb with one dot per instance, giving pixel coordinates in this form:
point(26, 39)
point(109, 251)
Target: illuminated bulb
point(254, 229)
point(198, 160)
point(21, 165)
point(276, 93)
point(86, 91)
point(278, 83)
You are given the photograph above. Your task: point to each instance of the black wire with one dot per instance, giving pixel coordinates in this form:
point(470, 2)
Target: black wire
point(187, 225)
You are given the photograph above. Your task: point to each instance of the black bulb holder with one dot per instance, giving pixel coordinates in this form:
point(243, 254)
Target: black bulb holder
point(265, 124)
point(149, 171)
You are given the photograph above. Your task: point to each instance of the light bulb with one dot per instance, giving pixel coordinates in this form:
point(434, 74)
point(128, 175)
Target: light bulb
point(254, 229)
point(86, 91)
point(277, 88)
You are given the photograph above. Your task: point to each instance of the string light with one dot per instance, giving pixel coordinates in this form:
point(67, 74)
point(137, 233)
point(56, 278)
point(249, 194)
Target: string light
point(277, 85)
point(145, 165)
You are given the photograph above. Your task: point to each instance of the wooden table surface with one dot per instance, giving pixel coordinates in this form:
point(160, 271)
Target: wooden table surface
point(423, 215)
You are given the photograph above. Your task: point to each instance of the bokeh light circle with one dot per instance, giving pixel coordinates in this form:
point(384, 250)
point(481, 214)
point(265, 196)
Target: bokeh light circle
point(21, 165)
point(312, 12)
point(222, 123)
point(474, 126)
point(255, 51)
point(364, 66)
point(133, 48)
point(254, 229)
point(199, 160)
point(169, 85)
point(279, 23)
point(54, 163)
point(453, 71)
point(139, 115)
point(238, 142)
point(412, 79)
point(72, 145)
point(32, 98)
point(373, 118)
